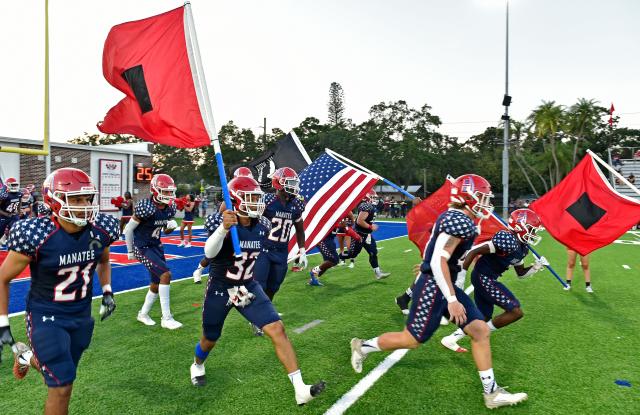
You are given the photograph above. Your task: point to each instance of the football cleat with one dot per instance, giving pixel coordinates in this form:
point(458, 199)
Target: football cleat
point(181, 244)
point(198, 377)
point(444, 321)
point(451, 343)
point(310, 392)
point(382, 275)
point(351, 264)
point(257, 331)
point(170, 323)
point(145, 319)
point(296, 268)
point(341, 263)
point(314, 282)
point(187, 245)
point(589, 289)
point(357, 357)
point(22, 360)
point(402, 301)
point(566, 287)
point(501, 397)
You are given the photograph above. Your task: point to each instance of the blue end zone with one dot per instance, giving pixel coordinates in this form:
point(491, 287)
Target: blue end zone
point(128, 277)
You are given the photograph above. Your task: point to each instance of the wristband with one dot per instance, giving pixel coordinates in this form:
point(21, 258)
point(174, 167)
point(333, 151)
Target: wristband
point(371, 226)
point(452, 299)
point(4, 320)
point(106, 289)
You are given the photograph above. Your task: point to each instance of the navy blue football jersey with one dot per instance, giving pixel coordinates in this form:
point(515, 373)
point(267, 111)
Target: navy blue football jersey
point(62, 264)
point(455, 223)
point(509, 251)
point(371, 216)
point(224, 267)
point(152, 222)
point(10, 202)
point(282, 217)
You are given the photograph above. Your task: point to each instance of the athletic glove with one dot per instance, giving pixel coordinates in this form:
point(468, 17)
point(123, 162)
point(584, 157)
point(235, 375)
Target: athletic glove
point(108, 305)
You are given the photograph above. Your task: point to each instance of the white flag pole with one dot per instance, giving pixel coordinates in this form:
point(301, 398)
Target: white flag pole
point(613, 171)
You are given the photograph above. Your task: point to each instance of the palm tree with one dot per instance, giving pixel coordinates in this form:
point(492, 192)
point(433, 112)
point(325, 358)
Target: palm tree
point(517, 131)
point(583, 117)
point(547, 121)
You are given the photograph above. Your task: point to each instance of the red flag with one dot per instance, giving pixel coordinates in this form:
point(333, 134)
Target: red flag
point(611, 115)
point(421, 218)
point(331, 189)
point(148, 61)
point(488, 228)
point(584, 212)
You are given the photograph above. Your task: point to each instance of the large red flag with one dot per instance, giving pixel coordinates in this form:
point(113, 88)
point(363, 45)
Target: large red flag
point(421, 218)
point(584, 212)
point(148, 61)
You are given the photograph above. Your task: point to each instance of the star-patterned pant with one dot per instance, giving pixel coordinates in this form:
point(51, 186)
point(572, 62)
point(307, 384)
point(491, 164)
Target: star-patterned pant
point(371, 248)
point(328, 249)
point(152, 258)
point(429, 305)
point(488, 292)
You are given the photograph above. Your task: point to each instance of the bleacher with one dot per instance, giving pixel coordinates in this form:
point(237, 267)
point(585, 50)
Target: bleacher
point(630, 164)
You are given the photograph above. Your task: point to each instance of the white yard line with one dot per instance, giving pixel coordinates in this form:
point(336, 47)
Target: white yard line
point(365, 383)
point(307, 326)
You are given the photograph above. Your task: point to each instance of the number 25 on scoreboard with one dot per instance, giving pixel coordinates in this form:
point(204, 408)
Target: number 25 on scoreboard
point(143, 174)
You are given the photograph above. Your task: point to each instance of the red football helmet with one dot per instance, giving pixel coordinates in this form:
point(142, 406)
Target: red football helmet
point(243, 172)
point(247, 197)
point(371, 197)
point(12, 184)
point(475, 192)
point(285, 178)
point(525, 223)
point(68, 182)
point(163, 189)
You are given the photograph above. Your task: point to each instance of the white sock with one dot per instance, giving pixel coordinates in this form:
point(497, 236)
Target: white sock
point(148, 302)
point(377, 270)
point(369, 346)
point(491, 326)
point(488, 380)
point(409, 292)
point(296, 381)
point(316, 269)
point(165, 300)
point(459, 334)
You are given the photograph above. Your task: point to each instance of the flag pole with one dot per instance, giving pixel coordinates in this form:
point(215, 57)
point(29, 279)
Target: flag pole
point(301, 148)
point(613, 171)
point(366, 170)
point(200, 84)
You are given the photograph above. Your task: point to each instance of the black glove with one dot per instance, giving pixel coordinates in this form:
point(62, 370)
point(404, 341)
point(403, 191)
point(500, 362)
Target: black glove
point(107, 306)
point(5, 336)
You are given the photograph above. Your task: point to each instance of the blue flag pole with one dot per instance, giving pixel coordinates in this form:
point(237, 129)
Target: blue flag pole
point(200, 84)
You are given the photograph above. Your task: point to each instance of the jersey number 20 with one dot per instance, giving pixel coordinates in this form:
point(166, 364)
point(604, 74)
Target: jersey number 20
point(280, 224)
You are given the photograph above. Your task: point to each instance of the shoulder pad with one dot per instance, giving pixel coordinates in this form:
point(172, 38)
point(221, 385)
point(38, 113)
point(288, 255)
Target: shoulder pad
point(212, 222)
point(27, 235)
point(458, 224)
point(266, 223)
point(144, 209)
point(505, 241)
point(110, 225)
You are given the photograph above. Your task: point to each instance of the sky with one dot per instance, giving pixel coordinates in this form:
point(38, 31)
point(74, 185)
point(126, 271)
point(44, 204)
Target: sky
point(277, 58)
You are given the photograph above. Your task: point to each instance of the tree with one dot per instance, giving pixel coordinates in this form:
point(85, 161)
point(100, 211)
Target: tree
point(584, 118)
point(336, 105)
point(547, 122)
point(104, 139)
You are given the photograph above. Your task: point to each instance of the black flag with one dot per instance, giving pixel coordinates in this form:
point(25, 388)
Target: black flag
point(287, 152)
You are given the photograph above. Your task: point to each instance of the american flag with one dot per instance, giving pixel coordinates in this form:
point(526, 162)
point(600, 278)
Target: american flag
point(330, 189)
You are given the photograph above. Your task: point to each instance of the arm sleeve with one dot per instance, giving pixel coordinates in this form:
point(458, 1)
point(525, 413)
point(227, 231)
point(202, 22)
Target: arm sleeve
point(436, 264)
point(128, 233)
point(214, 242)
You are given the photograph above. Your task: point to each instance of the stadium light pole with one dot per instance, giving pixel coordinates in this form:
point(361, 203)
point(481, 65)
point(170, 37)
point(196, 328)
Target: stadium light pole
point(506, 101)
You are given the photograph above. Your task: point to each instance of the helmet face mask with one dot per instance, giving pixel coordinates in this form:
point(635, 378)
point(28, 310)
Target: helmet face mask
point(371, 197)
point(12, 185)
point(526, 224)
point(247, 197)
point(286, 179)
point(474, 192)
point(163, 189)
point(71, 196)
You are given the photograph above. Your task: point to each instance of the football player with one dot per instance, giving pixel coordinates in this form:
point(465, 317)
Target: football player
point(435, 295)
point(284, 209)
point(10, 201)
point(62, 252)
point(328, 250)
point(365, 227)
point(506, 248)
point(150, 218)
point(231, 284)
point(127, 210)
point(204, 262)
